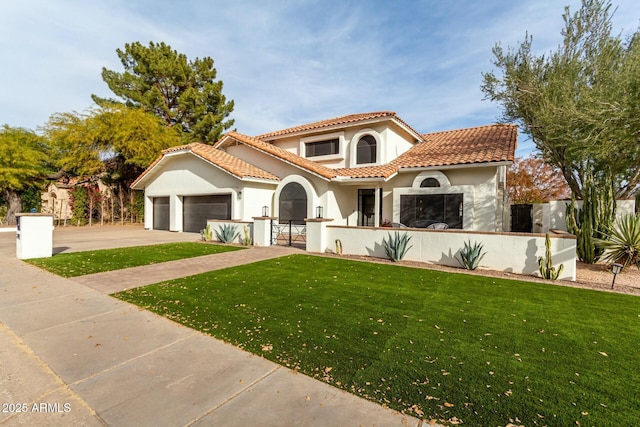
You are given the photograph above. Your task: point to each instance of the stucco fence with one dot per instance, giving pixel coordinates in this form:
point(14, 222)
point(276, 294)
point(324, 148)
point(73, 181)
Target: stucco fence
point(509, 252)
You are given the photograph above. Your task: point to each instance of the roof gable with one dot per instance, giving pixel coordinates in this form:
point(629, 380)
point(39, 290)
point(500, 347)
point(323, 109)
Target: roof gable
point(483, 144)
point(280, 153)
point(340, 123)
point(230, 164)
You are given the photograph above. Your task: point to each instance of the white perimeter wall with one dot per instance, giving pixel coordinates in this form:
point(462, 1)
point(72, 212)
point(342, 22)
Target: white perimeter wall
point(558, 208)
point(509, 252)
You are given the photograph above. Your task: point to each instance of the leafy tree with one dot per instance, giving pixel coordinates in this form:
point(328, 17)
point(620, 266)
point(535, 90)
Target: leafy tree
point(79, 200)
point(23, 161)
point(530, 180)
point(579, 104)
point(88, 143)
point(32, 197)
point(114, 143)
point(184, 94)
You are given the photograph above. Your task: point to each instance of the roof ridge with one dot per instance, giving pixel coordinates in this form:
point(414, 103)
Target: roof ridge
point(319, 124)
point(470, 128)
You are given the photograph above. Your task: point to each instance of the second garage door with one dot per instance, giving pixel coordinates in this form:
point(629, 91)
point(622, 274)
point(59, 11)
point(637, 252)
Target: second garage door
point(198, 209)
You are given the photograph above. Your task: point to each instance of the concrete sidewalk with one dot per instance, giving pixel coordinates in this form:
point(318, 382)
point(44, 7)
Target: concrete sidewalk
point(111, 282)
point(72, 355)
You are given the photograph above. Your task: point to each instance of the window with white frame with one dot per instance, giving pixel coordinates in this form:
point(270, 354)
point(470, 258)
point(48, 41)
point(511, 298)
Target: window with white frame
point(322, 148)
point(366, 150)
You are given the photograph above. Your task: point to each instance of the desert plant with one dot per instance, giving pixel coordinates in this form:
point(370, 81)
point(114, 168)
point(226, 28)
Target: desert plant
point(227, 233)
point(396, 246)
point(545, 265)
point(470, 255)
point(207, 234)
point(246, 240)
point(623, 244)
point(594, 220)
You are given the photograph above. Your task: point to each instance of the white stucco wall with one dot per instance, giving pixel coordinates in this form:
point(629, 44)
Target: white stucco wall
point(509, 252)
point(482, 207)
point(392, 141)
point(558, 208)
point(187, 175)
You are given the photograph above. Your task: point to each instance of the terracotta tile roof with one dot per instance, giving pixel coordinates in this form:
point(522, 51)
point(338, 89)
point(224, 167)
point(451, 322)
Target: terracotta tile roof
point(483, 144)
point(381, 171)
point(229, 163)
point(280, 153)
point(337, 122)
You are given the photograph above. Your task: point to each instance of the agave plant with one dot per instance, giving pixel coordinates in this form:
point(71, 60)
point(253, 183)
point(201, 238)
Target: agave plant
point(396, 246)
point(471, 255)
point(623, 245)
point(227, 233)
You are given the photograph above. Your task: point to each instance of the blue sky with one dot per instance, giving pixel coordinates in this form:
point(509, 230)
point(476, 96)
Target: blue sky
point(284, 63)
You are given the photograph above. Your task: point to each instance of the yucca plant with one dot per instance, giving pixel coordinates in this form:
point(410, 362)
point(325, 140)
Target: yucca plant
point(207, 234)
point(396, 246)
point(545, 265)
point(471, 255)
point(227, 233)
point(623, 245)
point(247, 240)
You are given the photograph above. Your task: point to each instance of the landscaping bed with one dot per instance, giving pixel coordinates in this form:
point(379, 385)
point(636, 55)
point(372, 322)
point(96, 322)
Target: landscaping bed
point(589, 276)
point(454, 348)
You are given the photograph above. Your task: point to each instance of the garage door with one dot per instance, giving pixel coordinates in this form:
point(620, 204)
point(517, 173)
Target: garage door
point(160, 213)
point(198, 209)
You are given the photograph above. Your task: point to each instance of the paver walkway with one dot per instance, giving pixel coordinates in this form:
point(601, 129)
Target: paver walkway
point(72, 355)
point(119, 280)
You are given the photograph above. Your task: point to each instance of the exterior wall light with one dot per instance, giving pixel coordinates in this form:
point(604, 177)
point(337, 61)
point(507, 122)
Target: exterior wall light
point(265, 211)
point(615, 269)
point(319, 211)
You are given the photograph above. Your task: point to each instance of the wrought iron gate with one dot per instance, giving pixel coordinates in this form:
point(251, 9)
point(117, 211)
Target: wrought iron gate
point(288, 233)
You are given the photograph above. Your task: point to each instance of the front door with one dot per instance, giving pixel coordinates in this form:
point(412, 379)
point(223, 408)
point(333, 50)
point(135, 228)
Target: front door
point(366, 207)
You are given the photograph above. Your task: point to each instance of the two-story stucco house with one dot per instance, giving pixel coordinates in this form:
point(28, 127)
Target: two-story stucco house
point(362, 169)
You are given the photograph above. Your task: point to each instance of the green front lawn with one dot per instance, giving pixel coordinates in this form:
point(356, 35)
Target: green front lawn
point(81, 263)
point(455, 347)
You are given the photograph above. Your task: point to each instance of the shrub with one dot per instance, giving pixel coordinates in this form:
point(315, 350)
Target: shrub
point(470, 255)
point(207, 234)
point(545, 265)
point(623, 245)
point(396, 246)
point(227, 233)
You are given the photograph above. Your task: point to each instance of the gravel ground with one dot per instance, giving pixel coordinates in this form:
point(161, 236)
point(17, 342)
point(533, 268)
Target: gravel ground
point(589, 276)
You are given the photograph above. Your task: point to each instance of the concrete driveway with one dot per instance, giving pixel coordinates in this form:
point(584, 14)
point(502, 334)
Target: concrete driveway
point(72, 355)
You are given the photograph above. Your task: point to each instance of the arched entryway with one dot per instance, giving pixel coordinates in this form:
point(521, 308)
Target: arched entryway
point(292, 204)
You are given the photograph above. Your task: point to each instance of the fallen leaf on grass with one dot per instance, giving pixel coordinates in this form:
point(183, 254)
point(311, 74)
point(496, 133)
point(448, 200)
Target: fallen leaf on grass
point(603, 353)
point(448, 405)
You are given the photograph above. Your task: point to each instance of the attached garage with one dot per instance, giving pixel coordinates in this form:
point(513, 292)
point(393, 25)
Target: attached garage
point(198, 209)
point(161, 213)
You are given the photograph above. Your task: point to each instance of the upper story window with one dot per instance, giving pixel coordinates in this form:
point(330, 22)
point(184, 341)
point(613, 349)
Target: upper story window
point(430, 182)
point(322, 148)
point(366, 150)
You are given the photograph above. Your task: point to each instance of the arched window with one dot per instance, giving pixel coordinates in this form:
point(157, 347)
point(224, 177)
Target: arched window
point(430, 182)
point(366, 150)
point(293, 203)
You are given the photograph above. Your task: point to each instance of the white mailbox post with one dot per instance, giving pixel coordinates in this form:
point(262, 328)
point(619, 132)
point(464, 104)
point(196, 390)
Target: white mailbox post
point(34, 235)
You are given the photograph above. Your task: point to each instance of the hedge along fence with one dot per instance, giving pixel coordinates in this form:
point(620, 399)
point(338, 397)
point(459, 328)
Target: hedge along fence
point(509, 252)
